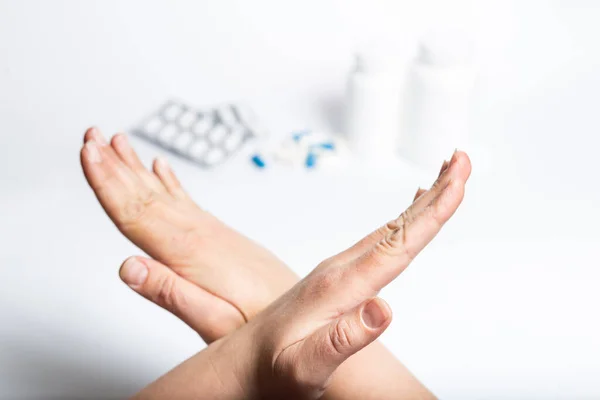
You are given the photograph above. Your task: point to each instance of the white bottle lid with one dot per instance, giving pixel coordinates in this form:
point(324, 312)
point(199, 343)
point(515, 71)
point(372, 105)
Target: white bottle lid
point(445, 49)
point(383, 58)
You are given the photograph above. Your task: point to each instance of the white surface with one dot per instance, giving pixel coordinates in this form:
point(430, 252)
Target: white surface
point(503, 305)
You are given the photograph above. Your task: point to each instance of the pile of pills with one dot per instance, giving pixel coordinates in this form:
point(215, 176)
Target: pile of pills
point(304, 149)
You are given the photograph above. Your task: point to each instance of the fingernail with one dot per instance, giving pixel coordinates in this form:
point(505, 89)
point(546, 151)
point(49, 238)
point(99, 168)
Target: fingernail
point(453, 159)
point(93, 152)
point(373, 315)
point(162, 162)
point(134, 272)
point(122, 138)
point(99, 137)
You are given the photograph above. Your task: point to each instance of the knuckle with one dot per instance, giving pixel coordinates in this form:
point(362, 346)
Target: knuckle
point(394, 237)
point(437, 185)
point(388, 248)
point(406, 218)
point(391, 244)
point(167, 294)
point(136, 207)
point(341, 338)
point(391, 226)
point(326, 262)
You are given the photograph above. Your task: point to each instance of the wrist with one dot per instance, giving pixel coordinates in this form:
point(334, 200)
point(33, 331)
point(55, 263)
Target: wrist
point(233, 365)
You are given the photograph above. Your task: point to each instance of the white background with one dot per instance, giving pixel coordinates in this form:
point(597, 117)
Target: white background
point(502, 305)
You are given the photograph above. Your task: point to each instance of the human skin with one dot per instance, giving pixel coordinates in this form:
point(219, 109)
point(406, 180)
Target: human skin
point(154, 212)
point(292, 349)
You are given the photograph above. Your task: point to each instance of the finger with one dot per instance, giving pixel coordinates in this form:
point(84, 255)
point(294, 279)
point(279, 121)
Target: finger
point(400, 240)
point(418, 194)
point(201, 310)
point(421, 201)
point(413, 230)
point(421, 192)
point(318, 356)
point(166, 175)
point(114, 184)
point(94, 133)
point(444, 167)
point(123, 149)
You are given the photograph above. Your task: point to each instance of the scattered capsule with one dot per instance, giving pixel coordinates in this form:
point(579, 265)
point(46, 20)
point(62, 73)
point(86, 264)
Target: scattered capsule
point(258, 161)
point(311, 160)
point(297, 137)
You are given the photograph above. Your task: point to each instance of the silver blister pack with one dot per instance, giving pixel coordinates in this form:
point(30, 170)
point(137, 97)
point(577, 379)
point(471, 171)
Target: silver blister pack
point(206, 137)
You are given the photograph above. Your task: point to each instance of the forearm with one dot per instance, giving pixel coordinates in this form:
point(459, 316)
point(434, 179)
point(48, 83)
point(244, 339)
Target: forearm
point(208, 374)
point(374, 373)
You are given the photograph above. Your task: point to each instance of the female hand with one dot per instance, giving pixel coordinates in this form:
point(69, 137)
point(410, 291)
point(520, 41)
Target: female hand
point(294, 346)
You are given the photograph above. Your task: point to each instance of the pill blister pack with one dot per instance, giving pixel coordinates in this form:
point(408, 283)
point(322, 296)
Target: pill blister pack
point(206, 137)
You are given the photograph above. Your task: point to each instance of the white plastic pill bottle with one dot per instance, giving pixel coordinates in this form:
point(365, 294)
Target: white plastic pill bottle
point(440, 100)
point(375, 95)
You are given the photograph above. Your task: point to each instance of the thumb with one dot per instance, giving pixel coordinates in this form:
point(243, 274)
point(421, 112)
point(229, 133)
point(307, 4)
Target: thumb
point(210, 316)
point(327, 348)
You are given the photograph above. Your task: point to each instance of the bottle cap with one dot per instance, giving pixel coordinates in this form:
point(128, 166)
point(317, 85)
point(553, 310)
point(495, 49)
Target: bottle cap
point(445, 48)
point(383, 57)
